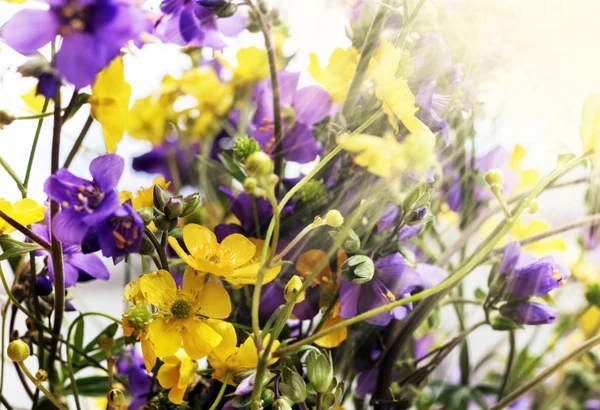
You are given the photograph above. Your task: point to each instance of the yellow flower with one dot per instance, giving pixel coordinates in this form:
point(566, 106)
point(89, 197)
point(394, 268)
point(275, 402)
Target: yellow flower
point(398, 101)
point(181, 312)
point(333, 339)
point(535, 227)
point(177, 373)
point(590, 321)
point(337, 76)
point(527, 177)
point(590, 126)
point(586, 270)
point(35, 102)
point(144, 197)
point(252, 66)
point(148, 120)
point(110, 102)
point(25, 211)
point(235, 259)
point(386, 157)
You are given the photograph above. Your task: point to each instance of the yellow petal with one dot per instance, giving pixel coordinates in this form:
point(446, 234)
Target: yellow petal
point(198, 237)
point(335, 338)
point(240, 248)
point(168, 375)
point(192, 280)
point(148, 353)
point(165, 336)
point(184, 256)
point(213, 301)
point(159, 289)
point(228, 343)
point(176, 395)
point(187, 371)
point(199, 339)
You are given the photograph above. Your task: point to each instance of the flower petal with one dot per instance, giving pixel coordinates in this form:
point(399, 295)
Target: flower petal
point(78, 60)
point(159, 289)
point(168, 376)
point(197, 237)
point(213, 301)
point(30, 29)
point(107, 170)
point(312, 104)
point(241, 249)
point(68, 227)
point(165, 335)
point(199, 339)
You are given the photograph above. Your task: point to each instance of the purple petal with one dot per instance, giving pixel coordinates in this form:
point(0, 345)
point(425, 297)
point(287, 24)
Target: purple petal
point(68, 227)
point(372, 297)
point(390, 212)
point(431, 275)
point(367, 382)
point(246, 385)
point(312, 104)
point(536, 279)
point(299, 144)
point(224, 230)
point(90, 264)
point(309, 307)
point(78, 59)
point(188, 25)
point(107, 170)
point(349, 295)
point(232, 26)
point(525, 313)
point(510, 258)
point(30, 29)
point(396, 276)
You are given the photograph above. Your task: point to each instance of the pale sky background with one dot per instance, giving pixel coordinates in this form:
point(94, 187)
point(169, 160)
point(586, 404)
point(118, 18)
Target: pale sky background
point(552, 64)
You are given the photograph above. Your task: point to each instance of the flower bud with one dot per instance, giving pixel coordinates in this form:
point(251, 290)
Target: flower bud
point(173, 208)
point(199, 216)
point(320, 372)
point(249, 185)
point(244, 147)
point(138, 317)
point(18, 351)
point(416, 217)
point(281, 404)
point(293, 286)
point(226, 10)
point(43, 285)
point(267, 397)
point(41, 375)
point(293, 386)
point(163, 223)
point(258, 164)
point(592, 294)
point(334, 218)
point(273, 180)
point(534, 205)
point(352, 242)
point(6, 119)
point(496, 189)
point(147, 215)
point(161, 197)
point(313, 194)
point(115, 398)
point(358, 269)
point(105, 343)
point(494, 176)
point(146, 246)
point(191, 203)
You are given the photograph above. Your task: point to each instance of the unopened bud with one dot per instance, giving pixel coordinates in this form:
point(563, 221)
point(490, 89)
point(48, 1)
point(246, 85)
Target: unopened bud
point(226, 10)
point(146, 246)
point(496, 189)
point(334, 218)
point(416, 216)
point(282, 404)
point(267, 397)
point(249, 185)
point(259, 164)
point(293, 386)
point(273, 180)
point(138, 317)
point(18, 351)
point(351, 243)
point(173, 208)
point(163, 223)
point(115, 398)
point(358, 269)
point(43, 285)
point(534, 205)
point(191, 203)
point(6, 119)
point(244, 147)
point(320, 371)
point(161, 197)
point(105, 343)
point(41, 375)
point(147, 215)
point(293, 286)
point(494, 176)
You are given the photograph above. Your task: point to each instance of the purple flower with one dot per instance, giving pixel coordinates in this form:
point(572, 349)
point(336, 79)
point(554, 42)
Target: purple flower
point(93, 33)
point(393, 279)
point(301, 110)
point(84, 203)
point(117, 235)
point(593, 404)
point(188, 22)
point(77, 266)
point(156, 161)
point(139, 381)
point(534, 279)
point(529, 313)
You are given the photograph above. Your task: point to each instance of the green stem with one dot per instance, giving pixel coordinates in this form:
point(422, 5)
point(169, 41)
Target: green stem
point(40, 387)
point(5, 403)
point(159, 249)
point(509, 363)
point(27, 232)
point(515, 394)
point(78, 142)
point(34, 145)
point(34, 117)
point(14, 177)
point(221, 392)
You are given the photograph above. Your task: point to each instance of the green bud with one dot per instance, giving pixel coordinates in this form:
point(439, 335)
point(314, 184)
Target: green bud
point(173, 208)
point(161, 197)
point(328, 401)
point(494, 176)
point(163, 223)
point(147, 215)
point(197, 217)
point(146, 246)
point(176, 233)
point(249, 185)
point(105, 343)
point(115, 398)
point(352, 242)
point(320, 371)
point(41, 375)
point(496, 189)
point(226, 10)
point(244, 147)
point(358, 269)
point(416, 216)
point(258, 164)
point(313, 193)
point(138, 317)
point(191, 203)
point(6, 119)
point(293, 386)
point(281, 404)
point(267, 397)
point(272, 180)
point(18, 351)
point(334, 218)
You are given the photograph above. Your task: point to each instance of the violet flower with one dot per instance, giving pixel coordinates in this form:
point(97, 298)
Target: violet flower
point(301, 110)
point(93, 33)
point(156, 161)
point(77, 266)
point(188, 22)
point(140, 382)
point(529, 313)
point(84, 203)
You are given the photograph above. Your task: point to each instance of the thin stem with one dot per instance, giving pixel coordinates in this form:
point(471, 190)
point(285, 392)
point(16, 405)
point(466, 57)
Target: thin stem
point(78, 142)
point(502, 203)
point(315, 224)
point(509, 363)
point(515, 394)
point(70, 106)
point(34, 145)
point(221, 392)
point(158, 247)
point(5, 403)
point(14, 177)
point(34, 117)
point(28, 233)
point(42, 388)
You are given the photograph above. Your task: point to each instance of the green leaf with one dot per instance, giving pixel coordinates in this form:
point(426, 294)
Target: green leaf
point(233, 168)
point(501, 323)
point(109, 331)
point(480, 294)
point(90, 386)
point(14, 248)
point(78, 338)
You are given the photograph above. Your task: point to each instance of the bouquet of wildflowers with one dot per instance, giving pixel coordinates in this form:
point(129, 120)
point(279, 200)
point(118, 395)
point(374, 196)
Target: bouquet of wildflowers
point(320, 234)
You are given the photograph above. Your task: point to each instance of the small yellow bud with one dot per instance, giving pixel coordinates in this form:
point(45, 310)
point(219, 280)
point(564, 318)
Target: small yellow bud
point(534, 205)
point(494, 177)
point(18, 351)
point(259, 164)
point(41, 375)
point(249, 185)
point(273, 179)
point(115, 398)
point(293, 286)
point(105, 343)
point(334, 218)
point(496, 189)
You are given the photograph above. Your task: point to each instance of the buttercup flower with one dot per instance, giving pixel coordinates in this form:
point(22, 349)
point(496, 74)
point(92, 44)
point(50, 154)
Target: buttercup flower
point(84, 203)
point(93, 34)
point(177, 374)
point(147, 119)
point(301, 110)
point(182, 312)
point(337, 76)
point(252, 66)
point(144, 197)
point(25, 211)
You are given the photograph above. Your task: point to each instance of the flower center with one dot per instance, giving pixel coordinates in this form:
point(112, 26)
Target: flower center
point(125, 231)
point(181, 309)
point(88, 198)
point(558, 277)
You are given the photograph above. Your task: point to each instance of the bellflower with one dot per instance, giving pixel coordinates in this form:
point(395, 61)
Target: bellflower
point(77, 266)
point(533, 279)
point(93, 34)
point(189, 22)
point(301, 110)
point(84, 203)
point(529, 313)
